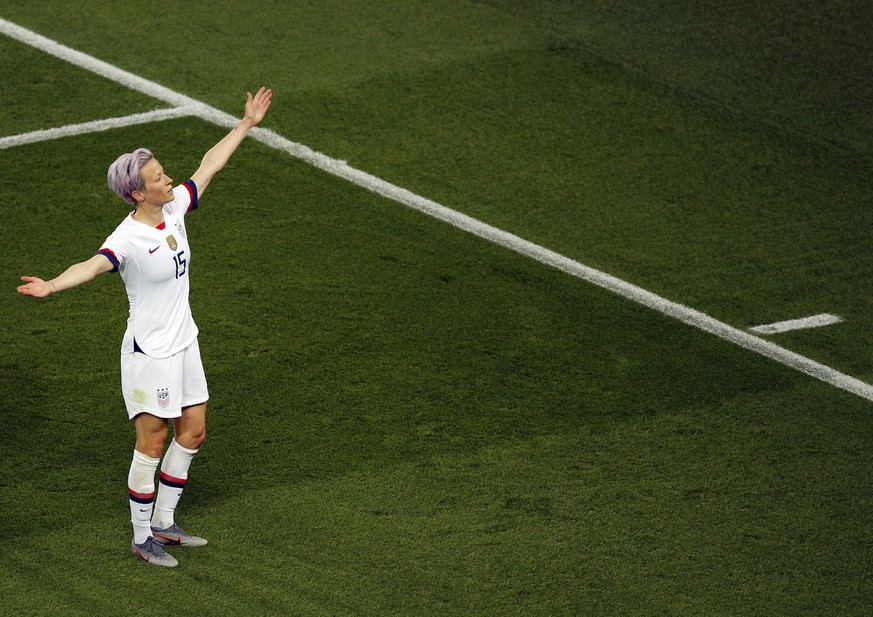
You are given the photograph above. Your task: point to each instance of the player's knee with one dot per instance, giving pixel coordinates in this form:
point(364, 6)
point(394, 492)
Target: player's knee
point(198, 438)
point(152, 444)
point(192, 427)
point(192, 438)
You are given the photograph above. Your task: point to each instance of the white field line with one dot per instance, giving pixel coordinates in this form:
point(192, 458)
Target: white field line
point(96, 125)
point(461, 221)
point(815, 321)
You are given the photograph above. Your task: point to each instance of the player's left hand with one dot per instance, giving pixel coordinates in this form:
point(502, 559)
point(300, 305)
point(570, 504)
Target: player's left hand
point(257, 105)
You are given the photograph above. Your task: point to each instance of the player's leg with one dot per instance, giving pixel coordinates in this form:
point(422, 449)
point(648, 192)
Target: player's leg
point(143, 385)
point(151, 432)
point(189, 433)
point(146, 394)
point(190, 430)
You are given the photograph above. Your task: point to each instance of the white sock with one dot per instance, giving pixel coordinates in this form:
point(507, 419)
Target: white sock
point(174, 476)
point(141, 492)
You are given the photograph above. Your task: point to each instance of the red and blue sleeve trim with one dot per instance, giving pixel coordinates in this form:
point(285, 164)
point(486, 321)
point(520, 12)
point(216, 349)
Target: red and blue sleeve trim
point(192, 191)
point(111, 257)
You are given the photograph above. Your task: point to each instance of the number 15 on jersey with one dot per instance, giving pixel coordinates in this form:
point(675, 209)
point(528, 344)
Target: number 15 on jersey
point(181, 263)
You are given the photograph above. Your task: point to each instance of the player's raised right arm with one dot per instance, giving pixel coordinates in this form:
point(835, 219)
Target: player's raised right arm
point(76, 274)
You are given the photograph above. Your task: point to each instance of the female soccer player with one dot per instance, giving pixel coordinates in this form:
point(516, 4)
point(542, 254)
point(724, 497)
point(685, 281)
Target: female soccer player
point(162, 376)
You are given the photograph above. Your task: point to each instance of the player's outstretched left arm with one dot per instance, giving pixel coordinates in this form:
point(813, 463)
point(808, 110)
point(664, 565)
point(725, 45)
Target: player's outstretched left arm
point(214, 160)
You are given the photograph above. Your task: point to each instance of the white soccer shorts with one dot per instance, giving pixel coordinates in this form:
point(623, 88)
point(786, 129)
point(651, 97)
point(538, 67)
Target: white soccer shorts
point(163, 386)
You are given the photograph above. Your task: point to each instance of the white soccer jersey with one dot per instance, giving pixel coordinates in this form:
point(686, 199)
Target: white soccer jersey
point(154, 262)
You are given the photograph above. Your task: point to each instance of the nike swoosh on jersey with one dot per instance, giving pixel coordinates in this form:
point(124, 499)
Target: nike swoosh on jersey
point(154, 249)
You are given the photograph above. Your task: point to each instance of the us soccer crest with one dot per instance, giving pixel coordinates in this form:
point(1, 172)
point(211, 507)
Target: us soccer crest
point(163, 398)
point(171, 241)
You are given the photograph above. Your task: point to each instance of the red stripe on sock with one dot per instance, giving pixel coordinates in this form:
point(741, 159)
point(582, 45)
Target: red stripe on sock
point(169, 478)
point(133, 493)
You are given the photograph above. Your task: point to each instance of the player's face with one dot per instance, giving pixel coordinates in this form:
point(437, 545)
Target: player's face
point(158, 185)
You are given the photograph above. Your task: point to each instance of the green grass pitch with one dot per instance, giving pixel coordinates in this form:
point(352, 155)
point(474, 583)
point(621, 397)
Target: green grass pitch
point(404, 418)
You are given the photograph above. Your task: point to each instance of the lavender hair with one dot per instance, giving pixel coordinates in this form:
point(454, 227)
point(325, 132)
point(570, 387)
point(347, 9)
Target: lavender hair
point(125, 174)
